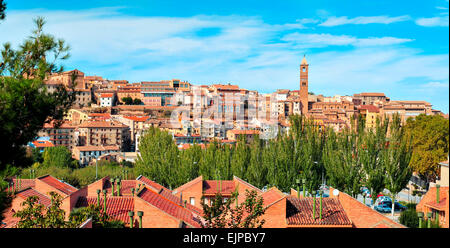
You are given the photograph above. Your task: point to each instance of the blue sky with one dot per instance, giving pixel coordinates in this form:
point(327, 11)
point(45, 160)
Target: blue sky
point(396, 47)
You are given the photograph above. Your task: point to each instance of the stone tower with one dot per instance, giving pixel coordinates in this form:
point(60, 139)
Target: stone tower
point(304, 86)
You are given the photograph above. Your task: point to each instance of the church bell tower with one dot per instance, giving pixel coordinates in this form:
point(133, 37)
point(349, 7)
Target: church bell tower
point(304, 86)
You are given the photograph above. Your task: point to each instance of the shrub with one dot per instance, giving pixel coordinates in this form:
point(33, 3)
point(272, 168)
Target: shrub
point(409, 218)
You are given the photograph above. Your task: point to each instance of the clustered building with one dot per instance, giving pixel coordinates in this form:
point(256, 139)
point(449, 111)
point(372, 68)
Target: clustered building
point(144, 203)
point(100, 123)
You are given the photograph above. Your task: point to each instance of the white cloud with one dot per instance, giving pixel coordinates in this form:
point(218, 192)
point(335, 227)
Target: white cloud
point(243, 50)
point(343, 20)
point(323, 40)
point(438, 21)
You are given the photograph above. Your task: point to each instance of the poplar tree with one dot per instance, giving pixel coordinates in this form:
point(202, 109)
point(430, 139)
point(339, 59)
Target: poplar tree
point(396, 158)
point(373, 143)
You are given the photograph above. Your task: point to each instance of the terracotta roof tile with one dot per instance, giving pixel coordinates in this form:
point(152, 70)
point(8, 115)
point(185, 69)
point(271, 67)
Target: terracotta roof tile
point(300, 212)
point(169, 207)
point(117, 207)
point(137, 118)
point(24, 183)
point(106, 95)
point(212, 187)
point(272, 195)
point(24, 194)
point(102, 124)
point(57, 184)
point(42, 143)
point(156, 186)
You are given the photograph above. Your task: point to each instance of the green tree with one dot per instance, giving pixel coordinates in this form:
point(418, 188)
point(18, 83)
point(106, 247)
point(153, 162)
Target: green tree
point(229, 214)
point(430, 143)
point(25, 104)
point(57, 156)
point(36, 215)
point(99, 219)
point(372, 145)
point(159, 158)
point(137, 101)
point(2, 10)
point(396, 158)
point(342, 161)
point(127, 100)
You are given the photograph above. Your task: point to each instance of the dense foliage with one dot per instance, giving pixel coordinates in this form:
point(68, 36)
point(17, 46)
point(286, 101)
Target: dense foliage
point(25, 104)
point(430, 143)
point(230, 214)
point(349, 159)
point(130, 101)
point(80, 177)
point(36, 215)
point(2, 9)
point(409, 218)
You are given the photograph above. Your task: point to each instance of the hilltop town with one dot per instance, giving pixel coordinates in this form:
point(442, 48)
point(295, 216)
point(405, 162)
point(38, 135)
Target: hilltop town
point(108, 117)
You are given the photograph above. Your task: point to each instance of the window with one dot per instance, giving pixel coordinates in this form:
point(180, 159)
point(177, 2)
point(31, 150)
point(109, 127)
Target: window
point(192, 200)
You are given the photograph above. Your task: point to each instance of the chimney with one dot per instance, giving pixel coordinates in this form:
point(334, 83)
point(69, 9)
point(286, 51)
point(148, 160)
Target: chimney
point(304, 190)
point(118, 186)
point(104, 204)
point(314, 204)
point(140, 214)
point(181, 197)
point(132, 192)
point(321, 193)
point(112, 185)
point(297, 181)
point(98, 197)
point(131, 214)
point(429, 214)
point(437, 193)
point(420, 215)
point(185, 202)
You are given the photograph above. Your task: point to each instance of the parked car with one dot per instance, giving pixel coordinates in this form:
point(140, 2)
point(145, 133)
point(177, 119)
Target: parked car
point(397, 206)
point(384, 208)
point(323, 195)
point(384, 198)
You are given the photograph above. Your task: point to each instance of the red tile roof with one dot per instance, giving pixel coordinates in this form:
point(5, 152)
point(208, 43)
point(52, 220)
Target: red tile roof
point(42, 143)
point(363, 216)
point(271, 196)
point(154, 185)
point(24, 183)
point(24, 194)
point(169, 207)
point(106, 95)
point(370, 108)
point(438, 206)
point(102, 123)
point(98, 148)
point(57, 184)
point(300, 212)
point(225, 87)
point(168, 194)
point(372, 94)
point(125, 186)
point(106, 115)
point(64, 125)
point(429, 199)
point(199, 179)
point(212, 187)
point(117, 207)
point(137, 118)
point(234, 131)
